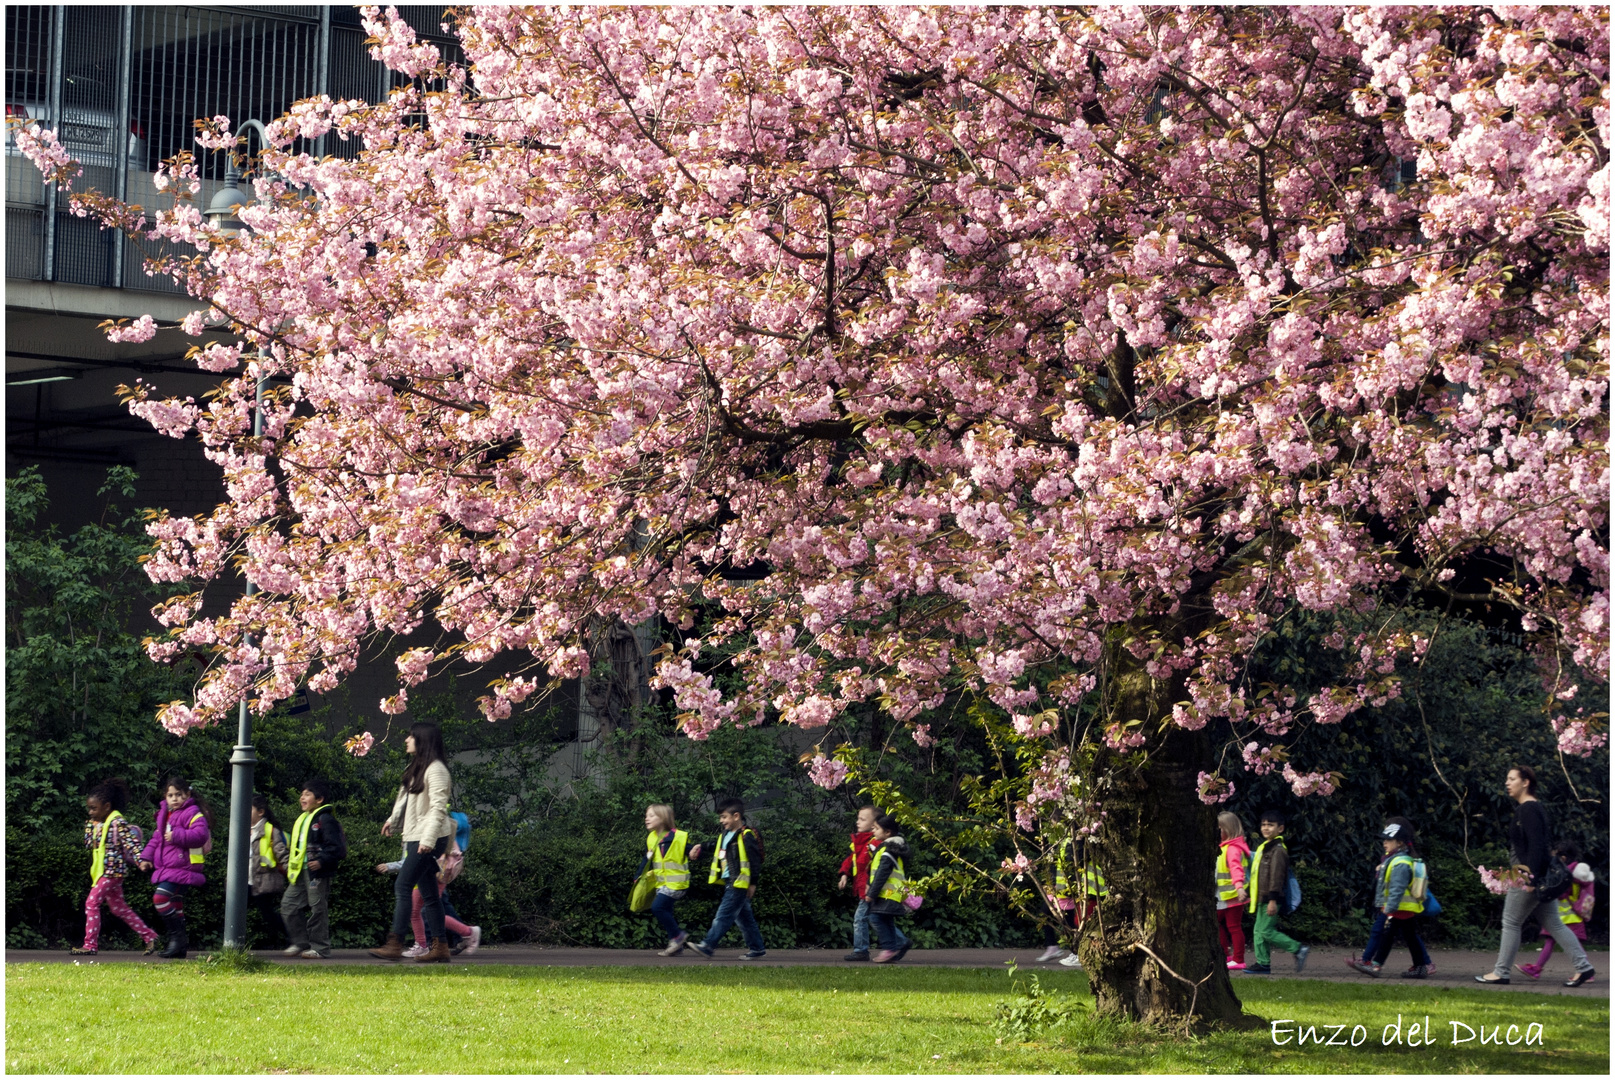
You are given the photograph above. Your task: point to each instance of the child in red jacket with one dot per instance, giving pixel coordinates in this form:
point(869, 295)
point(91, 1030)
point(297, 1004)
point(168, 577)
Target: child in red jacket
point(1233, 875)
point(857, 865)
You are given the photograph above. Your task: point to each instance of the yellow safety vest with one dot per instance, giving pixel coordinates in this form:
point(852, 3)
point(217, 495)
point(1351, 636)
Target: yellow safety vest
point(1256, 867)
point(1567, 913)
point(1408, 902)
point(742, 878)
point(896, 886)
point(98, 864)
point(1226, 889)
point(198, 855)
point(299, 854)
point(671, 871)
point(266, 845)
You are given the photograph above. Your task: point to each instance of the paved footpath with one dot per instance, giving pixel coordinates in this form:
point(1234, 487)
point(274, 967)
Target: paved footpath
point(1454, 967)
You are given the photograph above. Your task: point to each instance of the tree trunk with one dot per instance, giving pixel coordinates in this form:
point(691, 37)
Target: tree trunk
point(1156, 849)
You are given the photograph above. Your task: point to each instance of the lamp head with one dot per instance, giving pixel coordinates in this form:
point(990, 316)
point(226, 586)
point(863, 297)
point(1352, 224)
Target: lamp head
point(229, 199)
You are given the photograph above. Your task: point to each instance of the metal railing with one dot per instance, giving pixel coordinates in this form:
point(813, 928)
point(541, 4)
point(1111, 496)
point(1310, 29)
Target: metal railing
point(123, 86)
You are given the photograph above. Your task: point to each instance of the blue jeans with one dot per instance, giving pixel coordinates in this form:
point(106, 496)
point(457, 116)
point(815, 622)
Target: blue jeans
point(891, 938)
point(860, 927)
point(420, 868)
point(735, 907)
point(1374, 935)
point(662, 908)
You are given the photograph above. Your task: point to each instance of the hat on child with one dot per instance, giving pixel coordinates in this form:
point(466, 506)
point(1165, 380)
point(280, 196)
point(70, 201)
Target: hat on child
point(1397, 828)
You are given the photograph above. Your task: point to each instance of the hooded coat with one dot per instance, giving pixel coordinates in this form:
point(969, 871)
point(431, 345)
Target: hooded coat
point(171, 860)
point(878, 873)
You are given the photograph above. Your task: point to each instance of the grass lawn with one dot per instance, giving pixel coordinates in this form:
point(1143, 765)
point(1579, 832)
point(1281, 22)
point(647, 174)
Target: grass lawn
point(128, 1018)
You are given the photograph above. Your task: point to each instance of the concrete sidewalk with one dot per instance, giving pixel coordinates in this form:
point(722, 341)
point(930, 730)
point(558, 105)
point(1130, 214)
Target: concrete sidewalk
point(1454, 968)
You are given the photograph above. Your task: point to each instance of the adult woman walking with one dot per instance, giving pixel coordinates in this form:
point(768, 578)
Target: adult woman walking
point(1529, 840)
point(421, 812)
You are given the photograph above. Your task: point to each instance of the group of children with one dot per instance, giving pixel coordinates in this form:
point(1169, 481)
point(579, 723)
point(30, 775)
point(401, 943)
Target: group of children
point(1259, 883)
point(876, 867)
point(290, 883)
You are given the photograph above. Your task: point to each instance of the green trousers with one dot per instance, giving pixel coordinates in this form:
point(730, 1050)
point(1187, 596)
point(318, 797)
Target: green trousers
point(1267, 936)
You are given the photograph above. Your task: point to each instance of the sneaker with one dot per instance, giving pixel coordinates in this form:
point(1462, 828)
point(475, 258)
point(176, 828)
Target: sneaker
point(415, 950)
point(1258, 969)
point(1072, 962)
point(1053, 952)
point(315, 954)
point(1235, 965)
point(703, 948)
point(1581, 977)
point(293, 950)
point(151, 947)
point(475, 943)
point(857, 954)
point(1301, 955)
point(1417, 971)
point(76, 951)
point(1366, 967)
point(753, 954)
point(885, 956)
point(1530, 971)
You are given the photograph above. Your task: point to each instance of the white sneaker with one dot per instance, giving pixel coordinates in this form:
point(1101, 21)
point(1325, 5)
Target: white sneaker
point(292, 950)
point(476, 940)
point(1053, 952)
point(414, 951)
point(1072, 962)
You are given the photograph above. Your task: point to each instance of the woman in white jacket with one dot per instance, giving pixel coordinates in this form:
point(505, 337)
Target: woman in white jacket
point(421, 813)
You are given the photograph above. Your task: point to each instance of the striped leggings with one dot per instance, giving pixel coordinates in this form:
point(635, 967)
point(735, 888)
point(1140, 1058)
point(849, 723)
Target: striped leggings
point(110, 889)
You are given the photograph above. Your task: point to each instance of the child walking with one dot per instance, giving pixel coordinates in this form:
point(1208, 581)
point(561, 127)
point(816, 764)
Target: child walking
point(116, 850)
point(1233, 871)
point(667, 859)
point(856, 868)
point(1268, 895)
point(888, 884)
point(1574, 909)
point(1395, 899)
point(318, 846)
point(735, 864)
point(268, 841)
point(175, 855)
point(1061, 905)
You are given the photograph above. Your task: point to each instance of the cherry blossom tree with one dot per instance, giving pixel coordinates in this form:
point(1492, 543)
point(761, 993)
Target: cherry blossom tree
point(1052, 358)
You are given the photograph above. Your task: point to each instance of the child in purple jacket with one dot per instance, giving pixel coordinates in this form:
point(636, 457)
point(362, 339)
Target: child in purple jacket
point(175, 854)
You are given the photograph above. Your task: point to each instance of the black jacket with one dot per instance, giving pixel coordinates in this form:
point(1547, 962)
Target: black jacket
point(881, 871)
point(326, 843)
point(1529, 836)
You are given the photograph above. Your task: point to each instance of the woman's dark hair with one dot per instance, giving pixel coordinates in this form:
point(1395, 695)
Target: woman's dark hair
point(428, 748)
point(113, 792)
point(889, 824)
point(177, 781)
point(261, 802)
point(1527, 774)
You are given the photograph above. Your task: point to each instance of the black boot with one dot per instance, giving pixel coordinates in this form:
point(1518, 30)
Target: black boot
point(176, 938)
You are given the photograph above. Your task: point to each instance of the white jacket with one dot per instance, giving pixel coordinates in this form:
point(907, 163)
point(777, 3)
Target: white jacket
point(425, 816)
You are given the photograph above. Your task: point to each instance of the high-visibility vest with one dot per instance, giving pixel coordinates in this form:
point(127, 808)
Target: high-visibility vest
point(98, 864)
point(1226, 889)
point(1567, 913)
point(198, 854)
point(742, 878)
point(1256, 867)
point(896, 885)
point(299, 854)
point(671, 871)
point(266, 845)
point(1409, 901)
point(1093, 882)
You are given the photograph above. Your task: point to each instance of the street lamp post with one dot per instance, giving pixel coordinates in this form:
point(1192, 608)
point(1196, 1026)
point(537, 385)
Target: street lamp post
point(243, 761)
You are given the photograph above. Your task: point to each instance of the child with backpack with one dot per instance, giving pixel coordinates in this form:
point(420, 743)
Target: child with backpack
point(1574, 908)
point(116, 848)
point(1270, 896)
point(318, 846)
point(1233, 872)
point(888, 884)
point(855, 868)
point(735, 862)
point(1400, 887)
point(175, 855)
point(268, 841)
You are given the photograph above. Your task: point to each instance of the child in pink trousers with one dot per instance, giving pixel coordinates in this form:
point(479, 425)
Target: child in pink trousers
point(116, 849)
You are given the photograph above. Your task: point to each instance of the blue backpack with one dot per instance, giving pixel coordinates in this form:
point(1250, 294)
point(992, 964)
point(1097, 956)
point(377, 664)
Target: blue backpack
point(462, 829)
point(1292, 893)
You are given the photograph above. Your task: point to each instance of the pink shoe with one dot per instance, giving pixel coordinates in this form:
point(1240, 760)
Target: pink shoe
point(885, 956)
point(1533, 971)
point(1235, 965)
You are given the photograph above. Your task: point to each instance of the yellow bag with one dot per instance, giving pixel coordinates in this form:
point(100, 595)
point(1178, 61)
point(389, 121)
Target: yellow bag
point(644, 892)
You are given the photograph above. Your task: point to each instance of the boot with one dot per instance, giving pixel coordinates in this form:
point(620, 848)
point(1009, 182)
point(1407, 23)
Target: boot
point(437, 954)
point(176, 938)
point(392, 950)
